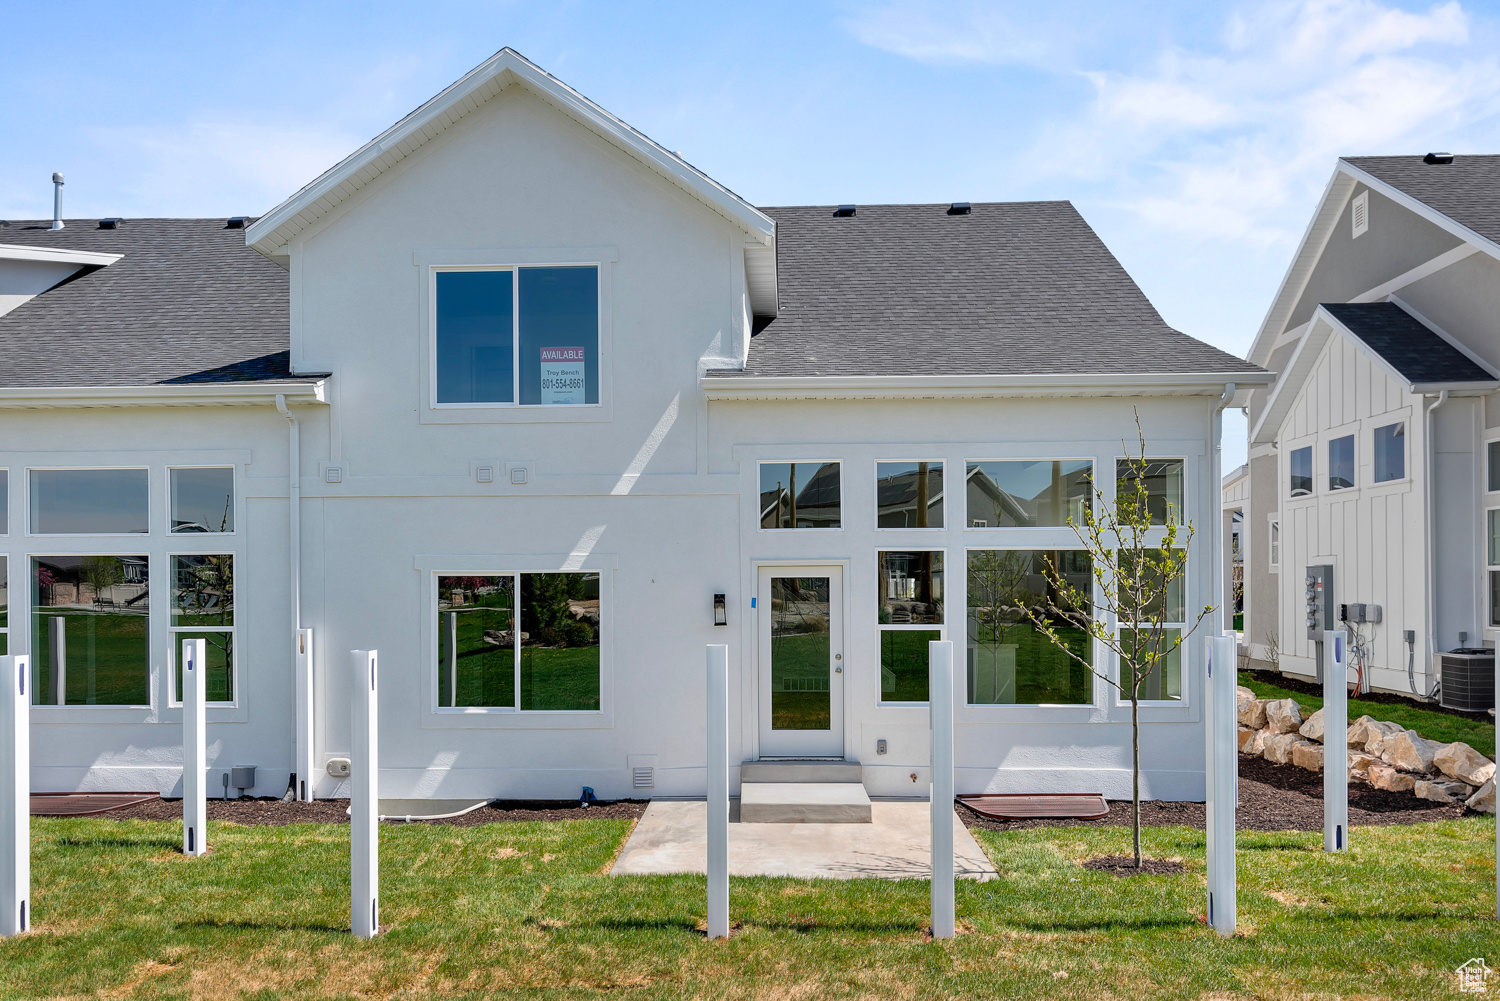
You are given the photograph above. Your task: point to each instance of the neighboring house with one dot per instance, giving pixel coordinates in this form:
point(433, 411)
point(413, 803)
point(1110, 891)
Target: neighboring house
point(1377, 451)
point(1236, 489)
point(512, 395)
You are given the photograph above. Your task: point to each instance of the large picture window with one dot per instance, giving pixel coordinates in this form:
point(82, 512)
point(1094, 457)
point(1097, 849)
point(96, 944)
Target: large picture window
point(1161, 483)
point(800, 495)
point(527, 335)
point(909, 494)
point(1027, 494)
point(203, 608)
point(202, 498)
point(911, 605)
point(90, 630)
point(90, 502)
point(1009, 662)
point(526, 642)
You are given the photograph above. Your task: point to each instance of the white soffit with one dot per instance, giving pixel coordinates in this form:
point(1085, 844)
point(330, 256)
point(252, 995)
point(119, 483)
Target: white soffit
point(57, 255)
point(915, 387)
point(272, 232)
point(192, 395)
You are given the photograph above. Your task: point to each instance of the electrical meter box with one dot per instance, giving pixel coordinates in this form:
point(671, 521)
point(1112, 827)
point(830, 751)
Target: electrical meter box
point(1320, 607)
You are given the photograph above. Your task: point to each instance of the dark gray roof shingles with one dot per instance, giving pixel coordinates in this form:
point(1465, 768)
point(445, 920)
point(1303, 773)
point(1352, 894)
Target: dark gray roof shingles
point(1406, 343)
point(188, 303)
point(1011, 288)
point(1466, 190)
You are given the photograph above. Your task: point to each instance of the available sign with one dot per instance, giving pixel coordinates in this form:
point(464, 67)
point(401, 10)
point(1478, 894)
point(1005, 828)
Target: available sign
point(562, 375)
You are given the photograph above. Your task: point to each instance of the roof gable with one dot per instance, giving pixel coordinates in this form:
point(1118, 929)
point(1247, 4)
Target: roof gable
point(1416, 351)
point(271, 233)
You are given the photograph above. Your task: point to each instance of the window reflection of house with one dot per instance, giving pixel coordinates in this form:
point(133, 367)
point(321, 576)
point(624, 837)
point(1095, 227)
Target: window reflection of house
point(791, 498)
point(900, 496)
point(1025, 494)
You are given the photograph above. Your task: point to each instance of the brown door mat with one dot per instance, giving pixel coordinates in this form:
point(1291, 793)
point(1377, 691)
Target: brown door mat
point(1023, 806)
point(78, 804)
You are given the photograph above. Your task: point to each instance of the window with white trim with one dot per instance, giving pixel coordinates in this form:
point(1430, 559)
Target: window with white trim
point(910, 616)
point(4, 501)
point(4, 605)
point(90, 501)
point(201, 499)
point(1301, 468)
point(1008, 661)
point(1274, 561)
point(203, 608)
point(1389, 446)
point(90, 630)
point(1341, 463)
point(1492, 550)
point(1164, 683)
point(800, 495)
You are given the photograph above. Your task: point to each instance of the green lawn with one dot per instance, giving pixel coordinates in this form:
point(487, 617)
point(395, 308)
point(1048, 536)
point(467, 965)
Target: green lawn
point(524, 910)
point(1478, 733)
point(106, 661)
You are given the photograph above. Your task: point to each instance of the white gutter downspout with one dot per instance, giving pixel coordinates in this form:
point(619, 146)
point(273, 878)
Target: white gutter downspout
point(1218, 510)
point(1430, 567)
point(294, 552)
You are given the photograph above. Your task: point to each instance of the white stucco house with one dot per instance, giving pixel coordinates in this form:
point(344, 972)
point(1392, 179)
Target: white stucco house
point(515, 396)
point(1377, 450)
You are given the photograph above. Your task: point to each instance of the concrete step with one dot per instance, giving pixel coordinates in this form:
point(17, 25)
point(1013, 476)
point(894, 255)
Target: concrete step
point(804, 803)
point(800, 771)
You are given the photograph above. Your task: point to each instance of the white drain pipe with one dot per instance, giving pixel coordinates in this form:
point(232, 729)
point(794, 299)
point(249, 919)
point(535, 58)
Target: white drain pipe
point(301, 721)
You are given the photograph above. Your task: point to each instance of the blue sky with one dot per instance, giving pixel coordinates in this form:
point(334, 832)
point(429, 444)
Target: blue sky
point(1195, 137)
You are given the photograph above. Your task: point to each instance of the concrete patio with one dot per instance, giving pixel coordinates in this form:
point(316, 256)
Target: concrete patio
point(672, 837)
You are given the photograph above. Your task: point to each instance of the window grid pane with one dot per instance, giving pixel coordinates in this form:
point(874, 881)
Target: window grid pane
point(477, 642)
point(1390, 452)
point(218, 671)
point(909, 494)
point(475, 337)
point(90, 502)
point(559, 642)
point(1009, 662)
point(202, 500)
point(90, 629)
point(203, 591)
point(800, 495)
point(1161, 487)
point(1341, 463)
point(1027, 494)
point(903, 664)
point(1301, 471)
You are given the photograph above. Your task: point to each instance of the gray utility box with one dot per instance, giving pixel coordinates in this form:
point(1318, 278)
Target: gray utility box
point(1468, 676)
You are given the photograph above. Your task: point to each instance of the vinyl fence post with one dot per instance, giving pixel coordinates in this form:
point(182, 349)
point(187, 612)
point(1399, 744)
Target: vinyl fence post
point(306, 753)
point(15, 795)
point(1221, 730)
point(718, 791)
point(940, 701)
point(194, 749)
point(1335, 747)
point(364, 802)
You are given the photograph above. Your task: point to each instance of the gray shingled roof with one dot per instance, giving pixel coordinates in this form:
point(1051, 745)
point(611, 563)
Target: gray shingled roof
point(188, 303)
point(1011, 288)
point(1466, 190)
point(1406, 343)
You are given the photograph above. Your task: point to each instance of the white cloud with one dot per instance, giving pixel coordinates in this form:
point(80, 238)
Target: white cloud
point(955, 33)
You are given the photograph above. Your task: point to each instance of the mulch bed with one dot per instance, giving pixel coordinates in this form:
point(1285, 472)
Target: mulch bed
point(1272, 798)
point(1294, 684)
point(1124, 865)
point(253, 812)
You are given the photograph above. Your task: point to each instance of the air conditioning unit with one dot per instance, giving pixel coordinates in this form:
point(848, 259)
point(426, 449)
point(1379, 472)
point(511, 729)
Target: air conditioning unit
point(1468, 676)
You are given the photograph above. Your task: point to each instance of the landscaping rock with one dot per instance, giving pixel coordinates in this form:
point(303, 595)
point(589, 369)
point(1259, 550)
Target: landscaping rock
point(1306, 754)
point(1279, 747)
point(1283, 716)
point(1408, 751)
point(1460, 761)
point(1443, 790)
point(1251, 710)
point(1376, 731)
point(1255, 743)
point(1484, 799)
point(1359, 765)
point(1358, 734)
point(1383, 776)
point(1313, 728)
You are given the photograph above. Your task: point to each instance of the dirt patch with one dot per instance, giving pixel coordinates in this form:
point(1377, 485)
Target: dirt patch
point(1124, 865)
point(1272, 798)
point(255, 812)
point(1294, 684)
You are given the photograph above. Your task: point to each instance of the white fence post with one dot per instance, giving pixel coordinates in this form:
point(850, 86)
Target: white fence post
point(194, 748)
point(306, 754)
point(1335, 746)
point(718, 791)
point(940, 701)
point(15, 795)
point(1221, 755)
point(364, 797)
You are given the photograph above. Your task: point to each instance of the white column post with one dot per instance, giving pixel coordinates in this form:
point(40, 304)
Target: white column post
point(306, 763)
point(718, 791)
point(364, 801)
point(1221, 731)
point(194, 748)
point(57, 635)
point(940, 702)
point(15, 795)
point(1335, 746)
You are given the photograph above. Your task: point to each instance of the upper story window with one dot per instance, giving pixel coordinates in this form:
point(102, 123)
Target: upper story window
point(1160, 485)
point(1390, 452)
point(800, 495)
point(202, 498)
point(90, 502)
point(1302, 474)
point(909, 494)
point(1047, 493)
point(525, 336)
point(4, 502)
point(1494, 467)
point(1341, 463)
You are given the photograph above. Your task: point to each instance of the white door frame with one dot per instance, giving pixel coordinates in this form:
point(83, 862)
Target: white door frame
point(801, 743)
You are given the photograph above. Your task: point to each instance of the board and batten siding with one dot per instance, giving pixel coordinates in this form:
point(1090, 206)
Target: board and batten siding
point(1371, 533)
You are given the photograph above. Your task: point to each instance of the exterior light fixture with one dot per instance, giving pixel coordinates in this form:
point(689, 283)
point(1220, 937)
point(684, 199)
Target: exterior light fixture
point(721, 615)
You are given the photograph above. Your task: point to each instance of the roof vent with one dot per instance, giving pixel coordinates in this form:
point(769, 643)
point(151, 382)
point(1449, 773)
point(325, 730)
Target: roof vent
point(110, 223)
point(1438, 158)
point(959, 208)
point(57, 186)
point(843, 212)
point(237, 222)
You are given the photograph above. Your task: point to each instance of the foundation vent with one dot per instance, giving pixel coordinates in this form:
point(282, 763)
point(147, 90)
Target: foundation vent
point(643, 777)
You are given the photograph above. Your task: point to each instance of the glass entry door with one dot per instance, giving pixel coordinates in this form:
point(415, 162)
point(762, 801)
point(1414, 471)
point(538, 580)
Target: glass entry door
point(801, 626)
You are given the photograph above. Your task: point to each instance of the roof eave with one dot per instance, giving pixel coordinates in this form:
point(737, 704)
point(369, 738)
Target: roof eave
point(196, 395)
point(976, 386)
point(57, 255)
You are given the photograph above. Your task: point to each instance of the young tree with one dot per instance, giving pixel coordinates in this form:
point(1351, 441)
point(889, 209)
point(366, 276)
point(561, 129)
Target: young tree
point(1139, 550)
